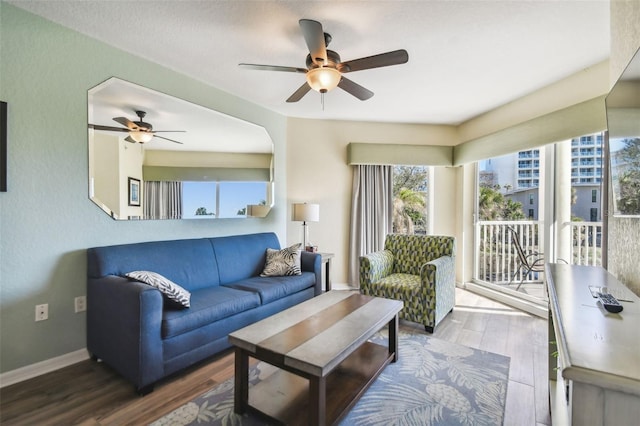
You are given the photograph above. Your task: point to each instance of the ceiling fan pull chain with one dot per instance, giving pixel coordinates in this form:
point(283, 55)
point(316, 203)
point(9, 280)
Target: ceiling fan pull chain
point(322, 100)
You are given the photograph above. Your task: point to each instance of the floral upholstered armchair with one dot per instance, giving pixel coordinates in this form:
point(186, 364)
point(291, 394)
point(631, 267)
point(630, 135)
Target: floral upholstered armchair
point(417, 269)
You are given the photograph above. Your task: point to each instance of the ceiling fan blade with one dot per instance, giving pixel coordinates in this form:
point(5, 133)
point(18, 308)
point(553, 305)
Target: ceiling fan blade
point(355, 89)
point(376, 61)
point(126, 122)
point(167, 139)
point(272, 68)
point(107, 128)
point(314, 37)
point(298, 94)
point(130, 139)
point(169, 131)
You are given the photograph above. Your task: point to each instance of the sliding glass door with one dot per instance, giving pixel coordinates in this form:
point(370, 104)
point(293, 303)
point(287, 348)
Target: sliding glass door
point(537, 206)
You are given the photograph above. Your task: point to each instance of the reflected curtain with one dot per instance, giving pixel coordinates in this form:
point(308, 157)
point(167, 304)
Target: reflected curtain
point(162, 200)
point(371, 213)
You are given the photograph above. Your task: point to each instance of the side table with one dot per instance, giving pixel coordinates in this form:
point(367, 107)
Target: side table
point(326, 261)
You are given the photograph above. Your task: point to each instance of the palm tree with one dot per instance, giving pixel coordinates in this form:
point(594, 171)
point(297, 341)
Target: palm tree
point(492, 205)
point(489, 203)
point(408, 210)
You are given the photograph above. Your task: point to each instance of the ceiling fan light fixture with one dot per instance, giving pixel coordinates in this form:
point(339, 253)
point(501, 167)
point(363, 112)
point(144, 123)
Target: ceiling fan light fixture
point(323, 79)
point(141, 136)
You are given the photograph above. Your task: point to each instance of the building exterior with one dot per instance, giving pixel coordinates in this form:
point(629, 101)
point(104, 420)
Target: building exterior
point(518, 176)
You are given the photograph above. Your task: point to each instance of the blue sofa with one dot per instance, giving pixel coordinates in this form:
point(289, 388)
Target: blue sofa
point(132, 328)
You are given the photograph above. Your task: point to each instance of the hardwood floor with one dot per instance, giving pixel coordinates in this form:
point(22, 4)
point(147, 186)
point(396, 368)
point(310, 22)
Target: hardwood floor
point(89, 393)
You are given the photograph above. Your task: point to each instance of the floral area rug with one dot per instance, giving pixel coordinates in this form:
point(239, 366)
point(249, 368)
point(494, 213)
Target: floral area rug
point(433, 383)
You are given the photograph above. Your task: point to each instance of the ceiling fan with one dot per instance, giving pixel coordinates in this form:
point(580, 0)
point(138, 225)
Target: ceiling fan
point(325, 71)
point(139, 131)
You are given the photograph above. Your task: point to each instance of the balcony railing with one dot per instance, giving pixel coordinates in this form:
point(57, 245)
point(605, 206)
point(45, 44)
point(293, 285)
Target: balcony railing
point(497, 257)
point(586, 247)
point(498, 260)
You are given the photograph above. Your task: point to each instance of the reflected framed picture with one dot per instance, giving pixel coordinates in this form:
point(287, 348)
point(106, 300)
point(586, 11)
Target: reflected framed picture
point(3, 146)
point(134, 192)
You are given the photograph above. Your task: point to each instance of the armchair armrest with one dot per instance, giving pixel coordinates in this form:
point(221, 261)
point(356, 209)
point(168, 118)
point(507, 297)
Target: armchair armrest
point(124, 327)
point(439, 285)
point(438, 271)
point(374, 267)
point(312, 262)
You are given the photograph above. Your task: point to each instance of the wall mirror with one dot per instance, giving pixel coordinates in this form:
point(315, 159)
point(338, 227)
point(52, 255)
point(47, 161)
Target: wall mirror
point(623, 122)
point(154, 156)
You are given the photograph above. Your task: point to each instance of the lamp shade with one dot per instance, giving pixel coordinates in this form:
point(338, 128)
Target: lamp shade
point(323, 79)
point(303, 212)
point(257, 210)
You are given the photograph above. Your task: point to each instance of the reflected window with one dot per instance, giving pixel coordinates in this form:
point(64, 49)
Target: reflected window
point(205, 200)
point(625, 174)
point(199, 200)
point(235, 196)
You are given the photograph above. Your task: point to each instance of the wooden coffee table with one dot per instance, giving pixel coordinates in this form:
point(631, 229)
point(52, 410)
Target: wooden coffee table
point(324, 359)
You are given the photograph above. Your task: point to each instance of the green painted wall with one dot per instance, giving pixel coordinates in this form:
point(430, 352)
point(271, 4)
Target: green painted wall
point(46, 218)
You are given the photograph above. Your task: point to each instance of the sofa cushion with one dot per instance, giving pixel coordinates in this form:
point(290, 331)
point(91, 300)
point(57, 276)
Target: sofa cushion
point(282, 262)
point(190, 262)
point(207, 306)
point(274, 288)
point(171, 291)
point(242, 256)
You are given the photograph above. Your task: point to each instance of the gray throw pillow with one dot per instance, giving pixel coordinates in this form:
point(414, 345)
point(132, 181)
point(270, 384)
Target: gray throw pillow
point(282, 262)
point(168, 288)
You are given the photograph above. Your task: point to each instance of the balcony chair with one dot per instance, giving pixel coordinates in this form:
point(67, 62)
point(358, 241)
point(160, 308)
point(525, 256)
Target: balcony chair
point(528, 262)
point(417, 269)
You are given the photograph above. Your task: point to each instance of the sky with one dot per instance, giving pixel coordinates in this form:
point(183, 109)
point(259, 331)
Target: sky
point(234, 196)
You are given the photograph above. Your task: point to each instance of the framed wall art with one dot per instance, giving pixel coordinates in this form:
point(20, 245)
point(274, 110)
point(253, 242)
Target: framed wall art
point(134, 192)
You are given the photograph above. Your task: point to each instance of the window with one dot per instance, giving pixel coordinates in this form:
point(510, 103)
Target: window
point(531, 214)
point(221, 199)
point(530, 198)
point(594, 195)
point(593, 214)
point(410, 186)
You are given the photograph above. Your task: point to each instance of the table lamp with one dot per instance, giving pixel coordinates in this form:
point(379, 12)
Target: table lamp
point(303, 212)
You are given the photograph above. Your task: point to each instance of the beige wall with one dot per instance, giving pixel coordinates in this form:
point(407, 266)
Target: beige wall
point(582, 86)
point(318, 173)
point(130, 163)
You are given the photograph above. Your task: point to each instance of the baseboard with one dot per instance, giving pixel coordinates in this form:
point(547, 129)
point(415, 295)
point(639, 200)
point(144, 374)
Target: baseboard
point(342, 286)
point(43, 367)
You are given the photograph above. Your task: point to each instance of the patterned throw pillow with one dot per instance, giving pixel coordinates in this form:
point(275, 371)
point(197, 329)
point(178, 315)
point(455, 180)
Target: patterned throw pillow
point(282, 262)
point(168, 288)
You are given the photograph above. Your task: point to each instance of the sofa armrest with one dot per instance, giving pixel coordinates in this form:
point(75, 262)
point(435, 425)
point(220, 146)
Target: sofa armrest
point(124, 327)
point(312, 262)
point(374, 267)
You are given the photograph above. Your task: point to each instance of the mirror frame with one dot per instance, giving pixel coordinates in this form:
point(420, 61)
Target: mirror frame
point(623, 123)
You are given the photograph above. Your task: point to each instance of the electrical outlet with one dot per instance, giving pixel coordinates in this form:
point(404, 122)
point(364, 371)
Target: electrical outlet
point(80, 303)
point(42, 312)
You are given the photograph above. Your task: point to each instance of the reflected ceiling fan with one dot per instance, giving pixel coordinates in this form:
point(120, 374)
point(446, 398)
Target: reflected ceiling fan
point(325, 71)
point(139, 131)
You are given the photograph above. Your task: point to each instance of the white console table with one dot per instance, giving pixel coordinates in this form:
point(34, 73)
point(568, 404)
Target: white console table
point(594, 355)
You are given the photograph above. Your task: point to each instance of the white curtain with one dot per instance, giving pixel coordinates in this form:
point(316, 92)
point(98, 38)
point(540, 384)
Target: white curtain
point(162, 200)
point(371, 213)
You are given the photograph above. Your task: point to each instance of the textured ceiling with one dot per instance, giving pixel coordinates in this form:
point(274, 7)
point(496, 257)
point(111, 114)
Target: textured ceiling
point(465, 57)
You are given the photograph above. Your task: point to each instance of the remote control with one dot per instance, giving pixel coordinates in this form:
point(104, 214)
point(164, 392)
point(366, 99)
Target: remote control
point(609, 302)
